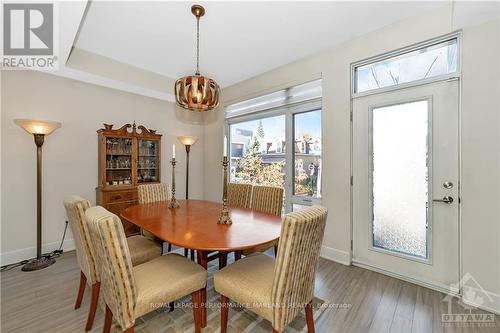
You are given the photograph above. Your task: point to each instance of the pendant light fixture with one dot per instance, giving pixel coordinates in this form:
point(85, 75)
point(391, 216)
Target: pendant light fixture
point(197, 92)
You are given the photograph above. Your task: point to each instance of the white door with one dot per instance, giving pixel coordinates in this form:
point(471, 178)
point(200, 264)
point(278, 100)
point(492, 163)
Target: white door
point(406, 183)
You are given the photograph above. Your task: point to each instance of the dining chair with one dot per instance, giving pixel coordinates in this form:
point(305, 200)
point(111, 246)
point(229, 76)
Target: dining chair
point(239, 195)
point(269, 200)
point(133, 291)
point(278, 289)
point(141, 249)
point(148, 193)
point(153, 193)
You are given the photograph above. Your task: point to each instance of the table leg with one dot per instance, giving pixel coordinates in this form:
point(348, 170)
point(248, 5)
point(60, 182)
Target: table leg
point(237, 255)
point(222, 259)
point(203, 262)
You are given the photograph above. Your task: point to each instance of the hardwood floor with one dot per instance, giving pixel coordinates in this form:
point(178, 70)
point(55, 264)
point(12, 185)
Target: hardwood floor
point(361, 301)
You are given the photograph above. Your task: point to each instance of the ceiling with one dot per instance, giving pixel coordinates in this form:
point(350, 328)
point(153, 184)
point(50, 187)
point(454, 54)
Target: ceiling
point(239, 40)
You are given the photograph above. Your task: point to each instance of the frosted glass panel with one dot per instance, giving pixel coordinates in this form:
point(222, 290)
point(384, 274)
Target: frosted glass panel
point(400, 178)
point(421, 64)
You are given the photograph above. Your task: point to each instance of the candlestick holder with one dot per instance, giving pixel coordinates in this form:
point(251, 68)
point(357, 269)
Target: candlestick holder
point(224, 217)
point(173, 200)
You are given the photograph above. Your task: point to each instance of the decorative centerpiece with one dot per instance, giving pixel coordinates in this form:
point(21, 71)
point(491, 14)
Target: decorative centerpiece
point(224, 217)
point(173, 200)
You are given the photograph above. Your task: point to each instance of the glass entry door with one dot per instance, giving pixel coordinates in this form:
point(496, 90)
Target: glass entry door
point(405, 183)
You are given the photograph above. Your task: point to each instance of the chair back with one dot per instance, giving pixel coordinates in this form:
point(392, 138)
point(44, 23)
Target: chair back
point(75, 210)
point(113, 256)
point(238, 195)
point(153, 192)
point(267, 199)
point(295, 267)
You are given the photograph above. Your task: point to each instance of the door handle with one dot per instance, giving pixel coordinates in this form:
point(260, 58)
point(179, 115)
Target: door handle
point(447, 199)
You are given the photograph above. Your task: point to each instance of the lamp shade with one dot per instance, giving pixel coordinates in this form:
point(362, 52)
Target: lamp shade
point(187, 140)
point(197, 93)
point(33, 126)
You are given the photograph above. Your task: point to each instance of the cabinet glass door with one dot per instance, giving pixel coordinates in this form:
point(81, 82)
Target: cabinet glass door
point(148, 161)
point(118, 161)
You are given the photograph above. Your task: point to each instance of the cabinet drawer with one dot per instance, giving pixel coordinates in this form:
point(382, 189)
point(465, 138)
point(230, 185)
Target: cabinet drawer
point(114, 197)
point(117, 207)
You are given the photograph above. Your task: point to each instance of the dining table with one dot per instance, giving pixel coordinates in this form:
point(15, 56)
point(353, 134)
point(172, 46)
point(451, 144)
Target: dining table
point(193, 225)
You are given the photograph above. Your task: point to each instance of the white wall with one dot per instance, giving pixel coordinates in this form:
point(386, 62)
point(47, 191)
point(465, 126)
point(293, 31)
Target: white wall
point(480, 157)
point(481, 219)
point(70, 153)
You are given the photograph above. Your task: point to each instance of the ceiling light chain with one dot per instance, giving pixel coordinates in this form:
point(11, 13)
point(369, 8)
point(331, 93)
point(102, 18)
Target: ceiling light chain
point(197, 45)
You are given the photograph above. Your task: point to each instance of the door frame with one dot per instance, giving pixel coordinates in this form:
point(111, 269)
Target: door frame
point(447, 77)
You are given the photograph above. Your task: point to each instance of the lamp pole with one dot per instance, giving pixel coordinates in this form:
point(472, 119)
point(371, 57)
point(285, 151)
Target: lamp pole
point(40, 262)
point(187, 141)
point(39, 138)
point(188, 149)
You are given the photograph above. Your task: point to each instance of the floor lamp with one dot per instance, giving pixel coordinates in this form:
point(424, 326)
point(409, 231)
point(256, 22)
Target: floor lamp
point(187, 141)
point(39, 129)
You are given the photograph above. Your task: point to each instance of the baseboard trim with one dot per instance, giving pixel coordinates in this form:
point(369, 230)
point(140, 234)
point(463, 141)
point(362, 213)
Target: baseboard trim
point(491, 303)
point(12, 257)
point(342, 257)
point(424, 283)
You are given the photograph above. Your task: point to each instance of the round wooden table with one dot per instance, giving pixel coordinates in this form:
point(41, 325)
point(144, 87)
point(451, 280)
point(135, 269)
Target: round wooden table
point(194, 226)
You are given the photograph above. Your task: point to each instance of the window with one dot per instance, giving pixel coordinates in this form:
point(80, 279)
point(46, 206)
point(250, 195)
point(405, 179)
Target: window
point(400, 162)
point(430, 61)
point(307, 153)
point(257, 151)
point(275, 140)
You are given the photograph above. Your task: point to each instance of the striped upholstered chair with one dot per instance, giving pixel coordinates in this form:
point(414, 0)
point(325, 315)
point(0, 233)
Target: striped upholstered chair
point(239, 195)
point(277, 289)
point(131, 292)
point(141, 248)
point(266, 199)
point(153, 193)
point(148, 193)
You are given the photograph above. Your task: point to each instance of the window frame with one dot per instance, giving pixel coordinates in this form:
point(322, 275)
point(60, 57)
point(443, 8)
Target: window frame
point(402, 51)
point(288, 111)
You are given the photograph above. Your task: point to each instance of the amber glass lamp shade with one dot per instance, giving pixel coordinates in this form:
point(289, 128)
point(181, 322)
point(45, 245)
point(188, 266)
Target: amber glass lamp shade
point(32, 126)
point(197, 93)
point(187, 140)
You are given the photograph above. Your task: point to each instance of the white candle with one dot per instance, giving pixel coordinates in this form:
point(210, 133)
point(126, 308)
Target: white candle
point(173, 151)
point(225, 146)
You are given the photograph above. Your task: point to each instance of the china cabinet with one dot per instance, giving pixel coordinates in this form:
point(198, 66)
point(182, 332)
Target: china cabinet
point(128, 156)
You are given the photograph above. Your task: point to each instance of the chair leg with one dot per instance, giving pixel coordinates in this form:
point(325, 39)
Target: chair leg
point(224, 309)
point(108, 320)
point(93, 305)
point(185, 253)
point(81, 290)
point(237, 255)
point(309, 318)
point(203, 262)
point(129, 330)
point(169, 248)
point(192, 254)
point(196, 296)
point(172, 306)
point(222, 259)
point(275, 250)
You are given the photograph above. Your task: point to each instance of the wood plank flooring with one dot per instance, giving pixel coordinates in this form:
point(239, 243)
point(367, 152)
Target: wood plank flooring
point(361, 301)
